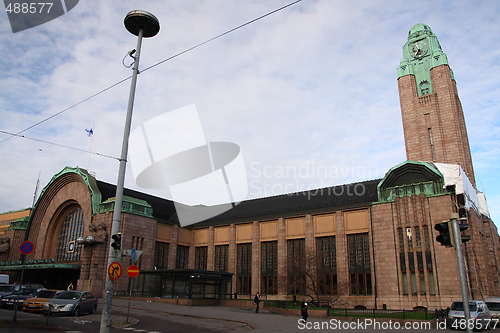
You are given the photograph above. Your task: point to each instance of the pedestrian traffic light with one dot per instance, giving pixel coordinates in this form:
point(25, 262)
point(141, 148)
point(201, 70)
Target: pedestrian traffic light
point(445, 233)
point(117, 241)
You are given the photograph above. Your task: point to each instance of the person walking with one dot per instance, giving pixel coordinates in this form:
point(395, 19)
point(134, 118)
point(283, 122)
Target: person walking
point(256, 302)
point(303, 310)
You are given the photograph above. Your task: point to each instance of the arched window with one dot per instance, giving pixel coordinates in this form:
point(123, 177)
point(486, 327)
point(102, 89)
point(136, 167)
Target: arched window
point(72, 228)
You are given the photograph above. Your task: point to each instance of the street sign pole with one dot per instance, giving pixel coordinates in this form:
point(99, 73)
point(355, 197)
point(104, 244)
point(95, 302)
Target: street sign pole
point(25, 248)
point(131, 276)
point(19, 291)
point(129, 296)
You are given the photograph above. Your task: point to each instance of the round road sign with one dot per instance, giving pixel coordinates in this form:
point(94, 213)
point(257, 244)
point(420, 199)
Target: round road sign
point(26, 247)
point(115, 270)
point(132, 271)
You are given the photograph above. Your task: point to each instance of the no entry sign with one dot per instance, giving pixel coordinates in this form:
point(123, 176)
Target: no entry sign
point(132, 271)
point(26, 247)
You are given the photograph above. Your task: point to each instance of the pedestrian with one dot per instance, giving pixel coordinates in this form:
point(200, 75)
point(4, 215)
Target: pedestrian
point(303, 310)
point(256, 302)
point(70, 287)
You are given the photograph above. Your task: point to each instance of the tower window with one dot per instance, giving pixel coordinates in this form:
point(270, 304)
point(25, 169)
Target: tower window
point(424, 88)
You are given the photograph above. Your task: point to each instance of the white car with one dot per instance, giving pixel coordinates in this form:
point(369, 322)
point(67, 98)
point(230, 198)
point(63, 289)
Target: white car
point(493, 304)
point(479, 315)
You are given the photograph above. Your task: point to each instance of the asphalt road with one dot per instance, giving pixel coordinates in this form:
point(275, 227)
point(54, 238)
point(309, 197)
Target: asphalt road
point(146, 321)
point(157, 317)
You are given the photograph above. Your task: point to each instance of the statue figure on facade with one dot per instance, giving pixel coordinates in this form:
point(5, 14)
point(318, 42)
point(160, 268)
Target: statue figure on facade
point(97, 234)
point(101, 235)
point(4, 244)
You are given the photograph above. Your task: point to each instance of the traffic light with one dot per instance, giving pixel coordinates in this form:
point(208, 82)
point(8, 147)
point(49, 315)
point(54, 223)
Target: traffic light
point(463, 227)
point(117, 241)
point(445, 233)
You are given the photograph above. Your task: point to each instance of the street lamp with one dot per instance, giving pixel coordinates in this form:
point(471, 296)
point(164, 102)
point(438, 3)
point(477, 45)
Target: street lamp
point(142, 24)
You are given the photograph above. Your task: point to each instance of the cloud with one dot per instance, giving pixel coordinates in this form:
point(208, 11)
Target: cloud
point(315, 83)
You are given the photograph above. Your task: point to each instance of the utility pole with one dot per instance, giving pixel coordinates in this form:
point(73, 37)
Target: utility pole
point(461, 268)
point(142, 24)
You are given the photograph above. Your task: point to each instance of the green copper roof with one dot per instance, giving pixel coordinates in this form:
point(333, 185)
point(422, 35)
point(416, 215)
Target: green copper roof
point(421, 53)
point(410, 178)
point(419, 30)
point(90, 181)
point(129, 204)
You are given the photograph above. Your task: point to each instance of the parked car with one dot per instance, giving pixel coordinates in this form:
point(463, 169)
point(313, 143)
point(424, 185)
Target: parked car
point(7, 289)
point(17, 299)
point(493, 304)
point(38, 300)
point(72, 302)
point(479, 313)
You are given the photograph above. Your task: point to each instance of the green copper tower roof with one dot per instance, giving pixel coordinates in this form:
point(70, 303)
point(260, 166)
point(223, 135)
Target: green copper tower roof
point(419, 30)
point(421, 53)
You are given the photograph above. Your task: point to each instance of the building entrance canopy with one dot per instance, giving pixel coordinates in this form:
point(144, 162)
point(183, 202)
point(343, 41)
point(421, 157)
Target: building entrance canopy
point(183, 283)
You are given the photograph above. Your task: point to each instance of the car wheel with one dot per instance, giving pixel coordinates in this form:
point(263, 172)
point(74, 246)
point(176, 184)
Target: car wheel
point(77, 311)
point(94, 309)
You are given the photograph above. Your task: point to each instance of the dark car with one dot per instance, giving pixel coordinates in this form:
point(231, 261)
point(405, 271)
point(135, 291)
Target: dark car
point(72, 302)
point(7, 289)
point(9, 301)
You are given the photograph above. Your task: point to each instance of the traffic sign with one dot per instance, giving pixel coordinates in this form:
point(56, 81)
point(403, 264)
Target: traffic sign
point(132, 271)
point(115, 270)
point(26, 247)
point(133, 254)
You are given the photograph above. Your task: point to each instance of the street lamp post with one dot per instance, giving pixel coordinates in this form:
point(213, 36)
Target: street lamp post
point(142, 24)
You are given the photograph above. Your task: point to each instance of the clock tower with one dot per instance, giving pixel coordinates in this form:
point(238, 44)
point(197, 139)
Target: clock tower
point(433, 119)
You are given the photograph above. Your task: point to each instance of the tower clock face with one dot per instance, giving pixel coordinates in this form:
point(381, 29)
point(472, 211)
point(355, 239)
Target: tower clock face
point(419, 48)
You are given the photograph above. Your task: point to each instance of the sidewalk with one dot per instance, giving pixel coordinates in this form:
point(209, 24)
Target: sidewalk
point(264, 321)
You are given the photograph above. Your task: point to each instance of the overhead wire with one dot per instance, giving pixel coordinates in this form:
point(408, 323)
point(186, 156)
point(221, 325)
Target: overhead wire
point(57, 144)
point(144, 70)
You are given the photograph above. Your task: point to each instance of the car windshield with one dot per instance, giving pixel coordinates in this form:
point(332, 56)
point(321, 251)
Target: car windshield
point(27, 291)
point(492, 306)
point(6, 289)
point(459, 306)
point(68, 295)
point(45, 294)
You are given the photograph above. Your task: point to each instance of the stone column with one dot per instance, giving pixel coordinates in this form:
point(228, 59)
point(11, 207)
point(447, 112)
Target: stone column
point(256, 258)
point(282, 260)
point(232, 255)
point(211, 249)
point(172, 248)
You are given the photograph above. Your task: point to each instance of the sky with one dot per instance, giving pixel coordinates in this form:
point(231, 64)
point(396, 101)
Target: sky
point(309, 93)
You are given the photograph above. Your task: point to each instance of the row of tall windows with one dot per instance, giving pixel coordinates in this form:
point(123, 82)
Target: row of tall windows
point(415, 261)
point(299, 265)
